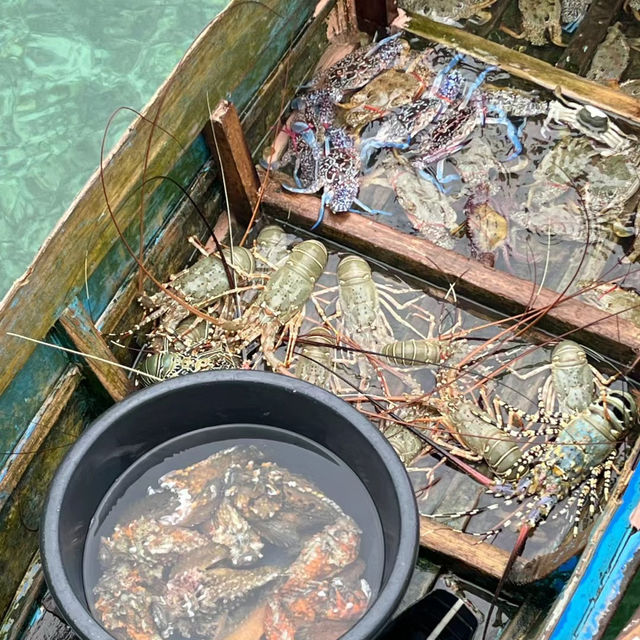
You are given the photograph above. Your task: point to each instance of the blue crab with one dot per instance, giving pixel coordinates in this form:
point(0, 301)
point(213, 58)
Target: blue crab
point(354, 71)
point(338, 174)
point(450, 133)
point(398, 128)
point(358, 68)
point(303, 151)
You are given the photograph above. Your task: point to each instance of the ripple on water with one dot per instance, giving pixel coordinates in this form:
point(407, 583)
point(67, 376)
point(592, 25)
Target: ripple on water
point(65, 67)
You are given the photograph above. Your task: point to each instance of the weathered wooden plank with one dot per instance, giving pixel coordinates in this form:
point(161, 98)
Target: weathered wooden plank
point(523, 623)
point(23, 603)
point(36, 432)
point(499, 290)
point(261, 118)
point(21, 512)
point(422, 581)
point(588, 590)
point(590, 33)
point(374, 15)
point(47, 624)
point(467, 554)
point(234, 54)
point(239, 175)
point(167, 252)
point(159, 206)
point(87, 339)
point(464, 552)
point(527, 67)
point(26, 393)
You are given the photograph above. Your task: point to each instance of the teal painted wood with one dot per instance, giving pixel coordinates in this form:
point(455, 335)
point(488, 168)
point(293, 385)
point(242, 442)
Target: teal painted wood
point(107, 278)
point(21, 400)
point(597, 593)
point(26, 393)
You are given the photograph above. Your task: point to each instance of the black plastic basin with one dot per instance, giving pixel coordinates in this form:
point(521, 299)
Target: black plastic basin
point(150, 417)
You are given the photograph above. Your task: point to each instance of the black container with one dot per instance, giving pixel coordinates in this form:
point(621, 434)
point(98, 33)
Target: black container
point(150, 417)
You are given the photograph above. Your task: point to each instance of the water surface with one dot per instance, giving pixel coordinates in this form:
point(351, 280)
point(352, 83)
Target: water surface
point(65, 66)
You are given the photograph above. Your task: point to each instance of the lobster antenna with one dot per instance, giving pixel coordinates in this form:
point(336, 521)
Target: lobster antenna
point(515, 552)
point(80, 353)
point(476, 475)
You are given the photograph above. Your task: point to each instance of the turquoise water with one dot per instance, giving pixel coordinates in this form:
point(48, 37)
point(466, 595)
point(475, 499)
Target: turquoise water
point(65, 66)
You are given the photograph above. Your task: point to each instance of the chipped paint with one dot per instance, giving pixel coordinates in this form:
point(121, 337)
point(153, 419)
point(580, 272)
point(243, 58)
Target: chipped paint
point(602, 584)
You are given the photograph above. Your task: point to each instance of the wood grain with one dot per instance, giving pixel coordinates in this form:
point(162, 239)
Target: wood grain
point(500, 291)
point(471, 556)
point(467, 553)
point(234, 158)
point(527, 67)
point(36, 432)
point(20, 514)
point(49, 625)
point(234, 54)
point(373, 16)
point(87, 339)
point(168, 254)
point(26, 597)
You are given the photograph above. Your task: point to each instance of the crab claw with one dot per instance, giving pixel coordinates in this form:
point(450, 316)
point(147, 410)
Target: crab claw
point(382, 42)
point(326, 198)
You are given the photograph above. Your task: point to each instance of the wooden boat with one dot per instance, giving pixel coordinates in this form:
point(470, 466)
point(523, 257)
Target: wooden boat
point(83, 283)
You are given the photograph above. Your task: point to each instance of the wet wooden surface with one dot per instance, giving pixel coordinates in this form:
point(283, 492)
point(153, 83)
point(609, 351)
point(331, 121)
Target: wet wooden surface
point(20, 515)
point(25, 601)
point(87, 339)
point(37, 432)
point(524, 66)
point(501, 291)
point(253, 39)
